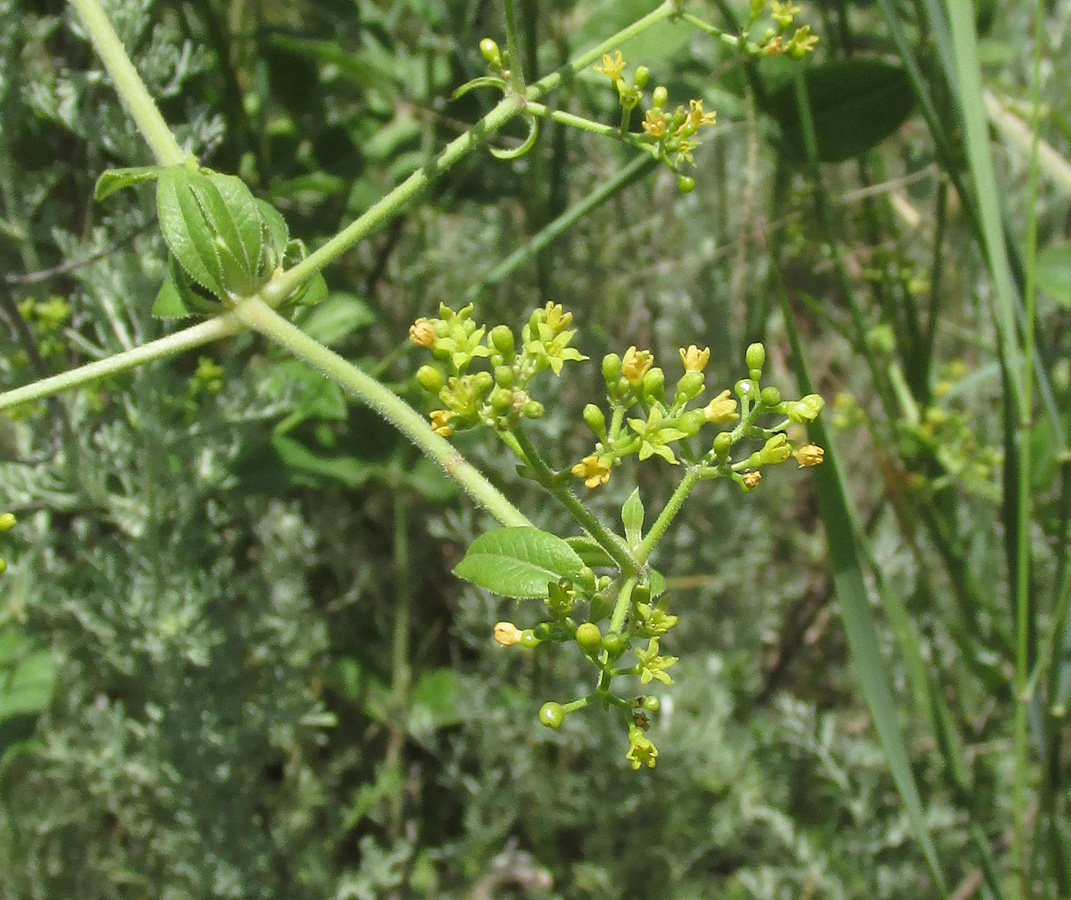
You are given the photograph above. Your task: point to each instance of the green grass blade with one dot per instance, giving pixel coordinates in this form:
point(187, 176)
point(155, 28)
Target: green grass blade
point(854, 605)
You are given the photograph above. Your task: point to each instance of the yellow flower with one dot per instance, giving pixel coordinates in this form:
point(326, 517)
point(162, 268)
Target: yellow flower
point(802, 42)
point(507, 634)
point(809, 455)
point(440, 422)
point(752, 479)
point(776, 450)
point(636, 364)
point(422, 332)
point(594, 470)
point(640, 749)
point(612, 67)
point(784, 13)
point(654, 123)
point(694, 359)
point(697, 117)
point(721, 410)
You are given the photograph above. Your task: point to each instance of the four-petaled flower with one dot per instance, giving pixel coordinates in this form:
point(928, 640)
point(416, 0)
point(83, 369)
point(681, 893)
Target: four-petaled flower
point(612, 67)
point(440, 422)
point(654, 436)
point(594, 470)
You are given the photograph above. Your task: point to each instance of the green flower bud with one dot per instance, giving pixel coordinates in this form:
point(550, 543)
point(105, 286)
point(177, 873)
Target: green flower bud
point(651, 704)
point(755, 356)
point(654, 382)
point(595, 419)
point(614, 644)
point(7, 521)
point(3, 567)
point(691, 421)
point(771, 396)
point(528, 639)
point(502, 340)
point(586, 579)
point(552, 714)
point(744, 388)
point(483, 382)
point(501, 400)
point(489, 51)
point(685, 183)
point(504, 376)
point(542, 631)
point(690, 385)
point(430, 378)
point(533, 409)
point(807, 409)
point(643, 74)
point(641, 593)
point(659, 97)
point(723, 443)
point(611, 369)
point(589, 637)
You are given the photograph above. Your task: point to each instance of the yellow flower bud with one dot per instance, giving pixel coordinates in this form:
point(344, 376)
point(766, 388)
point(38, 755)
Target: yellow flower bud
point(422, 332)
point(507, 634)
point(721, 410)
point(694, 359)
point(809, 455)
point(636, 364)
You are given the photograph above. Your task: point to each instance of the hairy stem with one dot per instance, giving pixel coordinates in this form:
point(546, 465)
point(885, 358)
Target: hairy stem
point(668, 514)
point(256, 314)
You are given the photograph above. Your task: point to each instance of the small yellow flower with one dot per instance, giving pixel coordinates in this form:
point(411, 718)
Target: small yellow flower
point(440, 422)
point(694, 359)
point(721, 410)
point(803, 42)
point(636, 364)
point(809, 455)
point(776, 450)
point(784, 13)
point(696, 117)
point(654, 123)
point(422, 332)
point(612, 67)
point(594, 470)
point(507, 634)
point(752, 479)
point(641, 750)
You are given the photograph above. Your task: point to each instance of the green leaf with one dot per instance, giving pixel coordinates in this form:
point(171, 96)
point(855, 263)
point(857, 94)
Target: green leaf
point(855, 103)
point(632, 518)
point(185, 229)
point(308, 468)
point(591, 552)
point(116, 179)
point(339, 316)
point(233, 214)
point(518, 562)
point(27, 689)
point(435, 703)
point(171, 302)
point(1052, 271)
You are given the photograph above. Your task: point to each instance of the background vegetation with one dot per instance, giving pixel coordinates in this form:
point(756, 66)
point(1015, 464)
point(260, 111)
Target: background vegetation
point(233, 662)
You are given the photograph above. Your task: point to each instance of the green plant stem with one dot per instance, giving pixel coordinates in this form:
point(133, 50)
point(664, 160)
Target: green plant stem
point(668, 514)
point(513, 46)
point(731, 39)
point(510, 106)
point(624, 600)
point(128, 84)
point(612, 543)
point(225, 325)
point(582, 124)
point(256, 314)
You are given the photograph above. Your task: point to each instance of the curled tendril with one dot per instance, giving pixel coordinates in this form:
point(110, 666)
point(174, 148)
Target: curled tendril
point(481, 82)
point(529, 142)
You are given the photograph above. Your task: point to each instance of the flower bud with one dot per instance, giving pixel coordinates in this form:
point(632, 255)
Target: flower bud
point(643, 75)
point(654, 382)
point(528, 639)
point(595, 419)
point(611, 369)
point(489, 51)
point(659, 97)
point(422, 333)
point(501, 400)
point(502, 340)
point(755, 356)
point(723, 443)
point(691, 421)
point(533, 409)
point(504, 376)
point(806, 409)
point(771, 396)
point(507, 634)
point(685, 183)
point(430, 378)
point(7, 521)
point(589, 637)
point(776, 450)
point(809, 455)
point(690, 386)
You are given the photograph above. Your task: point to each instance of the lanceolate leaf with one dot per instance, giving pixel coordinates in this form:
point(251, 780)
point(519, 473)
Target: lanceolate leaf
point(185, 230)
point(518, 562)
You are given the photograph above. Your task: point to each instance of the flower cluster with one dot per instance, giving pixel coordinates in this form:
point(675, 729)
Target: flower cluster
point(776, 40)
point(669, 425)
point(669, 134)
point(497, 395)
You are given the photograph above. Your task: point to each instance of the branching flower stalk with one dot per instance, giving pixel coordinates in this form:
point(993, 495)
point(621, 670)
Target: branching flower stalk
point(232, 258)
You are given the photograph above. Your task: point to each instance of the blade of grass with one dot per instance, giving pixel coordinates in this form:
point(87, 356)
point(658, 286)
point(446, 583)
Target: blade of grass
point(854, 605)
